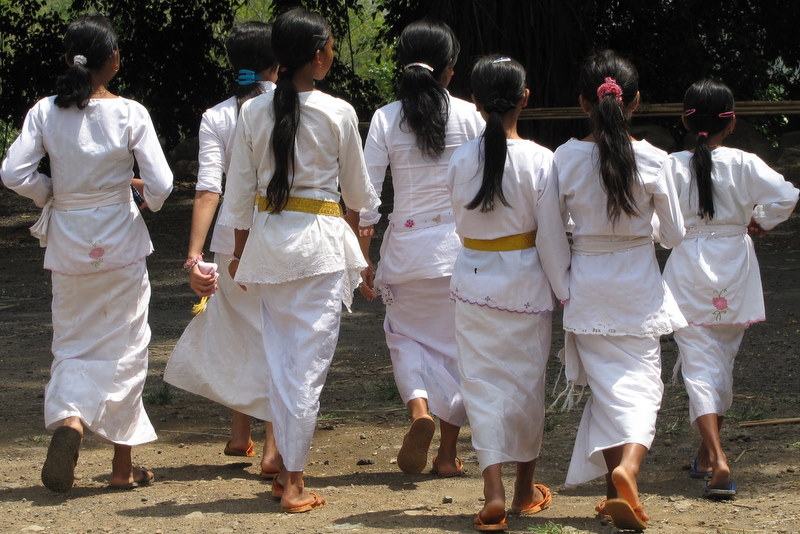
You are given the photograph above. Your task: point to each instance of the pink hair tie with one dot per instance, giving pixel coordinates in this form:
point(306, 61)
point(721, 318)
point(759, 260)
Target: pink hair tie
point(610, 87)
point(688, 112)
point(726, 114)
point(702, 134)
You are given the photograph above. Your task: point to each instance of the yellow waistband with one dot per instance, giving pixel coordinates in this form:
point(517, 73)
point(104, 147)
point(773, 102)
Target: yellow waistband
point(502, 244)
point(305, 205)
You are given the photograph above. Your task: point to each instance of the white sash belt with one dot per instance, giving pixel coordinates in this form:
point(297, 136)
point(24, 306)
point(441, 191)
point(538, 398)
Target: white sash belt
point(77, 201)
point(596, 245)
point(417, 222)
point(716, 230)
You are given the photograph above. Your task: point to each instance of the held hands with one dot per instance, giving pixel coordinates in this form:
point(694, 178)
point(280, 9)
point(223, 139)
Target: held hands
point(138, 186)
point(233, 266)
point(203, 278)
point(755, 230)
point(366, 287)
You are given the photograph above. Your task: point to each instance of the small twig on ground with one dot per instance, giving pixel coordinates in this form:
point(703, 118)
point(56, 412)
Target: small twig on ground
point(763, 422)
point(736, 460)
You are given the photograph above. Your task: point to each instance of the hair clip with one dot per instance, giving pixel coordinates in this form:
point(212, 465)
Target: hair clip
point(726, 114)
point(688, 112)
point(247, 77)
point(79, 60)
point(423, 65)
point(501, 60)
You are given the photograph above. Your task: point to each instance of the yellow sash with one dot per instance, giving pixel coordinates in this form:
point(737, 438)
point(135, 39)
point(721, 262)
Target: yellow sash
point(502, 244)
point(305, 205)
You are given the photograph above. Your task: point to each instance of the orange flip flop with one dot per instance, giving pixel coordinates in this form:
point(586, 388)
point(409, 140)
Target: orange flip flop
point(535, 508)
point(624, 516)
point(481, 526)
point(413, 455)
point(459, 471)
point(318, 502)
point(277, 489)
point(249, 451)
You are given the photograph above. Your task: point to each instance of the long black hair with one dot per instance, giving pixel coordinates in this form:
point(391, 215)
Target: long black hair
point(296, 37)
point(708, 109)
point(249, 48)
point(425, 50)
point(89, 43)
point(610, 83)
point(498, 84)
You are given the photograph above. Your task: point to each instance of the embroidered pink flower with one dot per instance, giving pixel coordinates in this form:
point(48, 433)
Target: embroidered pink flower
point(97, 252)
point(409, 223)
point(720, 303)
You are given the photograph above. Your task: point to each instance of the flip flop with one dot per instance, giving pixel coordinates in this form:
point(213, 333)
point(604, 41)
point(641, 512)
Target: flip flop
point(481, 526)
point(601, 511)
point(624, 516)
point(58, 471)
point(720, 493)
point(535, 508)
point(277, 489)
point(449, 474)
point(145, 478)
point(694, 473)
point(318, 502)
point(268, 475)
point(249, 451)
point(413, 455)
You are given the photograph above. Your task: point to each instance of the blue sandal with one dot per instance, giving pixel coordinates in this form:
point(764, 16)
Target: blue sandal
point(694, 473)
point(720, 493)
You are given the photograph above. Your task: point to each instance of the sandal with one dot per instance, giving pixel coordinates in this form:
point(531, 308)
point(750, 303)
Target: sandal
point(535, 508)
point(249, 451)
point(449, 474)
point(58, 471)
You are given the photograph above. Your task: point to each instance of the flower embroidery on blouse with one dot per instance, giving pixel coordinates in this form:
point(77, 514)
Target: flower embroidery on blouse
point(720, 304)
point(409, 223)
point(96, 254)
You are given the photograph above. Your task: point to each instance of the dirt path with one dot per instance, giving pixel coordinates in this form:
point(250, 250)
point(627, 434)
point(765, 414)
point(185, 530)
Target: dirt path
point(362, 423)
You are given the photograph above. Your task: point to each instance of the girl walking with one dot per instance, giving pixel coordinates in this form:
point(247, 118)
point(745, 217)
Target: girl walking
point(221, 354)
point(505, 199)
point(609, 185)
point(714, 272)
point(415, 136)
point(96, 244)
point(294, 148)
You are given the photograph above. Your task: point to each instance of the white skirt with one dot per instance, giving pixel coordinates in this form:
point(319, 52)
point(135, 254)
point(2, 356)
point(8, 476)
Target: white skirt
point(706, 361)
point(624, 374)
point(502, 359)
point(300, 325)
point(100, 337)
point(220, 355)
point(420, 333)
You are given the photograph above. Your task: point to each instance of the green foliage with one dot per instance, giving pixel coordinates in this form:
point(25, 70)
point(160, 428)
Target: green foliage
point(547, 528)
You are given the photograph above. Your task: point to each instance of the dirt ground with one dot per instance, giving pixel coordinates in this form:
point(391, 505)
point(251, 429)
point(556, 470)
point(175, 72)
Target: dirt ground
point(362, 422)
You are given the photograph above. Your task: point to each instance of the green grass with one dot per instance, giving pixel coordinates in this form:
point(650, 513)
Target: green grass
point(548, 528)
point(795, 445)
point(161, 396)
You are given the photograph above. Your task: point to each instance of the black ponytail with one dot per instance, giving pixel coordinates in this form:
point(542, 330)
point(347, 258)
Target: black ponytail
point(89, 43)
point(498, 84)
point(610, 83)
point(425, 50)
point(296, 37)
point(708, 108)
point(249, 48)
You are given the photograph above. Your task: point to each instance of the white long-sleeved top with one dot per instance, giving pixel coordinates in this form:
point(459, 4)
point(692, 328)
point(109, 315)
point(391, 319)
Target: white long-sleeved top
point(217, 130)
point(714, 273)
point(92, 155)
point(415, 252)
point(328, 156)
point(619, 292)
point(517, 280)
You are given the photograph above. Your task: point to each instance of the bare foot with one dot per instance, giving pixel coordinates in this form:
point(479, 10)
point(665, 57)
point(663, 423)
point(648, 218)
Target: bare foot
point(138, 476)
point(721, 476)
point(627, 489)
point(532, 502)
point(305, 501)
point(493, 511)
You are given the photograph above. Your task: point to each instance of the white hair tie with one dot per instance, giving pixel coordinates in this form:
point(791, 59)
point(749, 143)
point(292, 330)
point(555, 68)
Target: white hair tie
point(79, 60)
point(423, 65)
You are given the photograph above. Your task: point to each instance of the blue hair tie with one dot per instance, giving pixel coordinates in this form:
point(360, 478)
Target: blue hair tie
point(247, 77)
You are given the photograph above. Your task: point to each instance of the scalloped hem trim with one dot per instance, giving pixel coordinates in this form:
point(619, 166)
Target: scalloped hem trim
point(453, 296)
point(100, 271)
point(744, 324)
point(615, 333)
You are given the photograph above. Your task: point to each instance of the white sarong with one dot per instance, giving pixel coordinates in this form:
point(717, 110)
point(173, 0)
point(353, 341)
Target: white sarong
point(100, 337)
point(502, 359)
point(300, 327)
point(220, 355)
point(624, 374)
point(420, 334)
point(706, 361)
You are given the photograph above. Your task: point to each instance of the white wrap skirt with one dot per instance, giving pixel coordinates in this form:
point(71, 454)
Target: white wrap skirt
point(100, 338)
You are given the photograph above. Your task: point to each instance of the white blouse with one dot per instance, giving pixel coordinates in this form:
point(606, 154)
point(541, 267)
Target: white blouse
point(217, 129)
point(615, 283)
point(420, 241)
point(94, 225)
point(518, 280)
point(328, 156)
point(714, 273)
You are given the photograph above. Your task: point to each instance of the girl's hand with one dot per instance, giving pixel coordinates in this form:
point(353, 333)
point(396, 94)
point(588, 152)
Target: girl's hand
point(755, 230)
point(366, 287)
point(138, 185)
point(203, 285)
point(233, 266)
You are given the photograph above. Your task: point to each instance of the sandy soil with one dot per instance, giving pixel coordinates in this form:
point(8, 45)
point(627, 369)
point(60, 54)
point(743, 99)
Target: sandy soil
point(361, 425)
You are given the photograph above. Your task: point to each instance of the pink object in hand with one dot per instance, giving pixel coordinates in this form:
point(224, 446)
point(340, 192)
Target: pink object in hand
point(208, 268)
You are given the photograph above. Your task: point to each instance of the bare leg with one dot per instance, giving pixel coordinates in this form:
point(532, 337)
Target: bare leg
point(709, 426)
point(525, 495)
point(123, 473)
point(270, 458)
point(446, 455)
point(295, 497)
point(417, 407)
point(494, 506)
point(240, 431)
point(623, 464)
